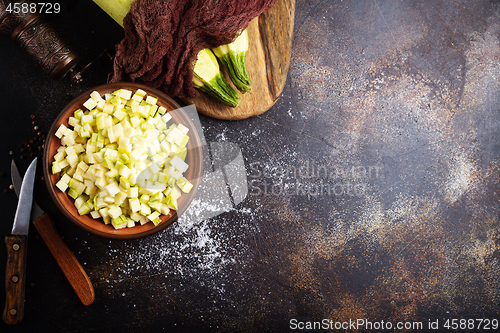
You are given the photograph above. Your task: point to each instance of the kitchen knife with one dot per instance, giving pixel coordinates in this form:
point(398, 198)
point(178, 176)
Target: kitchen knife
point(16, 251)
point(66, 260)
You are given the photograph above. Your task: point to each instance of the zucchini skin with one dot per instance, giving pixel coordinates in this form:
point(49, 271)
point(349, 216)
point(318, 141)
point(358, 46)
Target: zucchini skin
point(220, 89)
point(234, 62)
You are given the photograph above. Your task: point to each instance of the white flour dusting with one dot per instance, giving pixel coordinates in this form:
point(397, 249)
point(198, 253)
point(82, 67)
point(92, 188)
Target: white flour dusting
point(211, 253)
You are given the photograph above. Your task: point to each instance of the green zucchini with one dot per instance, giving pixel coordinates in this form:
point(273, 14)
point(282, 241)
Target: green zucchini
point(208, 78)
point(232, 56)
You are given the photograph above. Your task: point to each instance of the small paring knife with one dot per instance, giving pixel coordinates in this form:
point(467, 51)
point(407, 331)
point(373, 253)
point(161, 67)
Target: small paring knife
point(66, 260)
point(17, 243)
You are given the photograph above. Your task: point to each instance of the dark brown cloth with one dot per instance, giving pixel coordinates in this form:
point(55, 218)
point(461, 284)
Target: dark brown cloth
point(163, 38)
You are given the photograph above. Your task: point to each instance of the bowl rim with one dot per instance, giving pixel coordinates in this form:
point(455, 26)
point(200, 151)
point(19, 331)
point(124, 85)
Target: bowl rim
point(194, 149)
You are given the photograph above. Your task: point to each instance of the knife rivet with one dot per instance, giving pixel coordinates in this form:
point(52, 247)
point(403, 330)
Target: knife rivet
point(12, 312)
point(16, 247)
point(15, 279)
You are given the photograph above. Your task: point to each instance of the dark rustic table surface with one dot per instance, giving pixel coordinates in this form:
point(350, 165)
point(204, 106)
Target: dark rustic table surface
point(372, 186)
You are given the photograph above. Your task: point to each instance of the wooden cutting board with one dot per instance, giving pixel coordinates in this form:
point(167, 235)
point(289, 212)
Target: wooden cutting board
point(268, 58)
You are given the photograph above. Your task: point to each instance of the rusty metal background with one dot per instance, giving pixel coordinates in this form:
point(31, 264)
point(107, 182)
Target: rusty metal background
point(373, 185)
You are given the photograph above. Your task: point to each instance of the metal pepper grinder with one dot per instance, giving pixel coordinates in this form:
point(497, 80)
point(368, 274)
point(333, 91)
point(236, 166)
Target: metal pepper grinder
point(30, 30)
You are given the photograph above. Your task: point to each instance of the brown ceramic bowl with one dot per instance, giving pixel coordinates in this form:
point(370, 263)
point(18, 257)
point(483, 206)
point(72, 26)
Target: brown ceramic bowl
point(96, 226)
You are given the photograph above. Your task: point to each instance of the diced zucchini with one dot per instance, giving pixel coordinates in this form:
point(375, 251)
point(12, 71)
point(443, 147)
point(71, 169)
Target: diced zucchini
point(119, 159)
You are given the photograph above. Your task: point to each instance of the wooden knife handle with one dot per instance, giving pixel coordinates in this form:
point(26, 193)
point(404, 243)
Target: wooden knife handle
point(15, 275)
point(65, 259)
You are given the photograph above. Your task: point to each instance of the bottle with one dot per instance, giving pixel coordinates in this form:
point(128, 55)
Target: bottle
point(23, 24)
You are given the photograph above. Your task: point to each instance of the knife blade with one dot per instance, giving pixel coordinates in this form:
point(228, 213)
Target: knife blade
point(16, 243)
point(65, 258)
